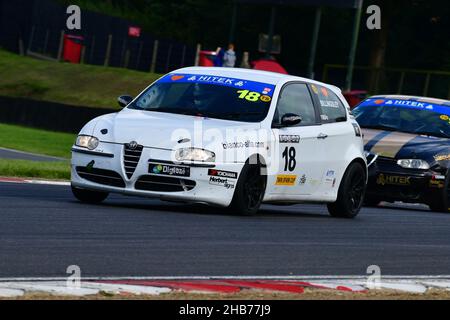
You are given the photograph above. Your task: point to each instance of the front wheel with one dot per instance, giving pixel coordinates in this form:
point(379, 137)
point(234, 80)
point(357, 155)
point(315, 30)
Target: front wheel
point(89, 196)
point(351, 193)
point(249, 191)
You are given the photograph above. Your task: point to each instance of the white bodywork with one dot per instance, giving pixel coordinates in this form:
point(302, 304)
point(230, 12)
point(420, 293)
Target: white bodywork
point(320, 163)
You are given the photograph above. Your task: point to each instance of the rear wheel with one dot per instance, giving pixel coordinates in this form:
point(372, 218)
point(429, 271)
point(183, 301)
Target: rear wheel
point(351, 193)
point(89, 196)
point(249, 191)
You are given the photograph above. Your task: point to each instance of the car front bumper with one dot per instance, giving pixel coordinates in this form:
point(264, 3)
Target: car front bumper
point(390, 182)
point(104, 170)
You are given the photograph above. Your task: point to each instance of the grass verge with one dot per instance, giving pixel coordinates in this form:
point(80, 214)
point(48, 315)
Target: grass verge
point(74, 84)
point(35, 169)
point(49, 143)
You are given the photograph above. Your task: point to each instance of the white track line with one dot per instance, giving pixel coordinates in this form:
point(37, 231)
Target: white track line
point(32, 181)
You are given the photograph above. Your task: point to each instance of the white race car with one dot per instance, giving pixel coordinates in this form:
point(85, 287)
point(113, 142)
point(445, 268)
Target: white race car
point(226, 137)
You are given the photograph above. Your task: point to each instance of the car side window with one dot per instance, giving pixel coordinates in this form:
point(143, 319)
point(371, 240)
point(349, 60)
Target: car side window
point(295, 98)
point(331, 107)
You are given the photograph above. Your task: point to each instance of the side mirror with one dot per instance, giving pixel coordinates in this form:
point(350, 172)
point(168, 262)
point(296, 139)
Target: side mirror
point(124, 100)
point(290, 119)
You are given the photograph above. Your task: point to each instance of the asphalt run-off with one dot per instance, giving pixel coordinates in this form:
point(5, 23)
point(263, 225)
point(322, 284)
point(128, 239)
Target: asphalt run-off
point(44, 230)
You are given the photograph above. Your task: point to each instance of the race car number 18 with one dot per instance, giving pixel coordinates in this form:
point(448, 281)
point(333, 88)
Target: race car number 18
point(249, 95)
point(289, 159)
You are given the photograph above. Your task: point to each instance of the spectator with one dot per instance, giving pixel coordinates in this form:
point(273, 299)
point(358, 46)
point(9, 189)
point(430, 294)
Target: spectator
point(245, 61)
point(218, 61)
point(229, 58)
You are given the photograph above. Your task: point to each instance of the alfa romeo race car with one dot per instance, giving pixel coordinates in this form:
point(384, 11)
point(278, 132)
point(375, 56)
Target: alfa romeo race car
point(226, 137)
point(407, 141)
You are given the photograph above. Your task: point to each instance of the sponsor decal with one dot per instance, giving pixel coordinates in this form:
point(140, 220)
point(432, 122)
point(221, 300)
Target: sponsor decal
point(357, 129)
point(314, 88)
point(239, 145)
point(289, 138)
point(437, 184)
point(442, 157)
point(285, 180)
point(176, 78)
point(393, 180)
point(302, 179)
point(223, 174)
point(169, 170)
point(266, 90)
point(324, 91)
point(329, 103)
point(265, 98)
point(444, 117)
point(223, 182)
point(252, 86)
point(330, 177)
point(324, 117)
point(409, 104)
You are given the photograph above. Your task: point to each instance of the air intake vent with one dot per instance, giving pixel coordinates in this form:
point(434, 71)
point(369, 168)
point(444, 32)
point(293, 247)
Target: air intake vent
point(101, 176)
point(164, 184)
point(132, 154)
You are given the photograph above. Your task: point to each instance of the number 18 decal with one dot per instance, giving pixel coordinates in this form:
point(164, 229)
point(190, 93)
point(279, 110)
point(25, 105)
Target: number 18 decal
point(289, 159)
point(253, 96)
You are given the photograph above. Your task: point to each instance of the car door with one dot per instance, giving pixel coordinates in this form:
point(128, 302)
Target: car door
point(299, 148)
point(337, 133)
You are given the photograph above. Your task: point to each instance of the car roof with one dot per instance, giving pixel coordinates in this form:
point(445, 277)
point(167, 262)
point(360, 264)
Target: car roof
point(252, 75)
point(413, 98)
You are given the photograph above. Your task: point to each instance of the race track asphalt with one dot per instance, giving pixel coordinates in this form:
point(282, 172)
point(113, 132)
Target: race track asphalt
point(43, 229)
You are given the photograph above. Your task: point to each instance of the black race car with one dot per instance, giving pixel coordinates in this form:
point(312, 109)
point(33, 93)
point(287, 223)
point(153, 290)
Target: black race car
point(407, 145)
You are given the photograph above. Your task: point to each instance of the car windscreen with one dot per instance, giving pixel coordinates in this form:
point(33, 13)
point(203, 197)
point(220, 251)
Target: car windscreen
point(208, 96)
point(405, 116)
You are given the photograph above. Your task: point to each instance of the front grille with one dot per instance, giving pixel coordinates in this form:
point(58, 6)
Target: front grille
point(164, 184)
point(131, 159)
point(101, 176)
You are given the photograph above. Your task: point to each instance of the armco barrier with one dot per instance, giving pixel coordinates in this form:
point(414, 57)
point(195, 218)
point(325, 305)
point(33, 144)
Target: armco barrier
point(47, 115)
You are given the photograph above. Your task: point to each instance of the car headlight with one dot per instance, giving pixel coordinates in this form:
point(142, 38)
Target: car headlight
point(88, 142)
point(413, 164)
point(195, 154)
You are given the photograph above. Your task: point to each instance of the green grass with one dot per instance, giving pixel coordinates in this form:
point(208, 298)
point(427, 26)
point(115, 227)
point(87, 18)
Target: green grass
point(34, 169)
point(36, 141)
point(75, 84)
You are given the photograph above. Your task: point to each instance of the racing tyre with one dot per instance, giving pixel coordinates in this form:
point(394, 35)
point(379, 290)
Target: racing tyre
point(89, 196)
point(441, 203)
point(249, 191)
point(351, 193)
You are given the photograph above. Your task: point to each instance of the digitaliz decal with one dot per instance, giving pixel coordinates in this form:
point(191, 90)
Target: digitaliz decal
point(168, 170)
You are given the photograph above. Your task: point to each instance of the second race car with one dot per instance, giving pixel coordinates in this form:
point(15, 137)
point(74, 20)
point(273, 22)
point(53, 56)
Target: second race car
point(407, 144)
